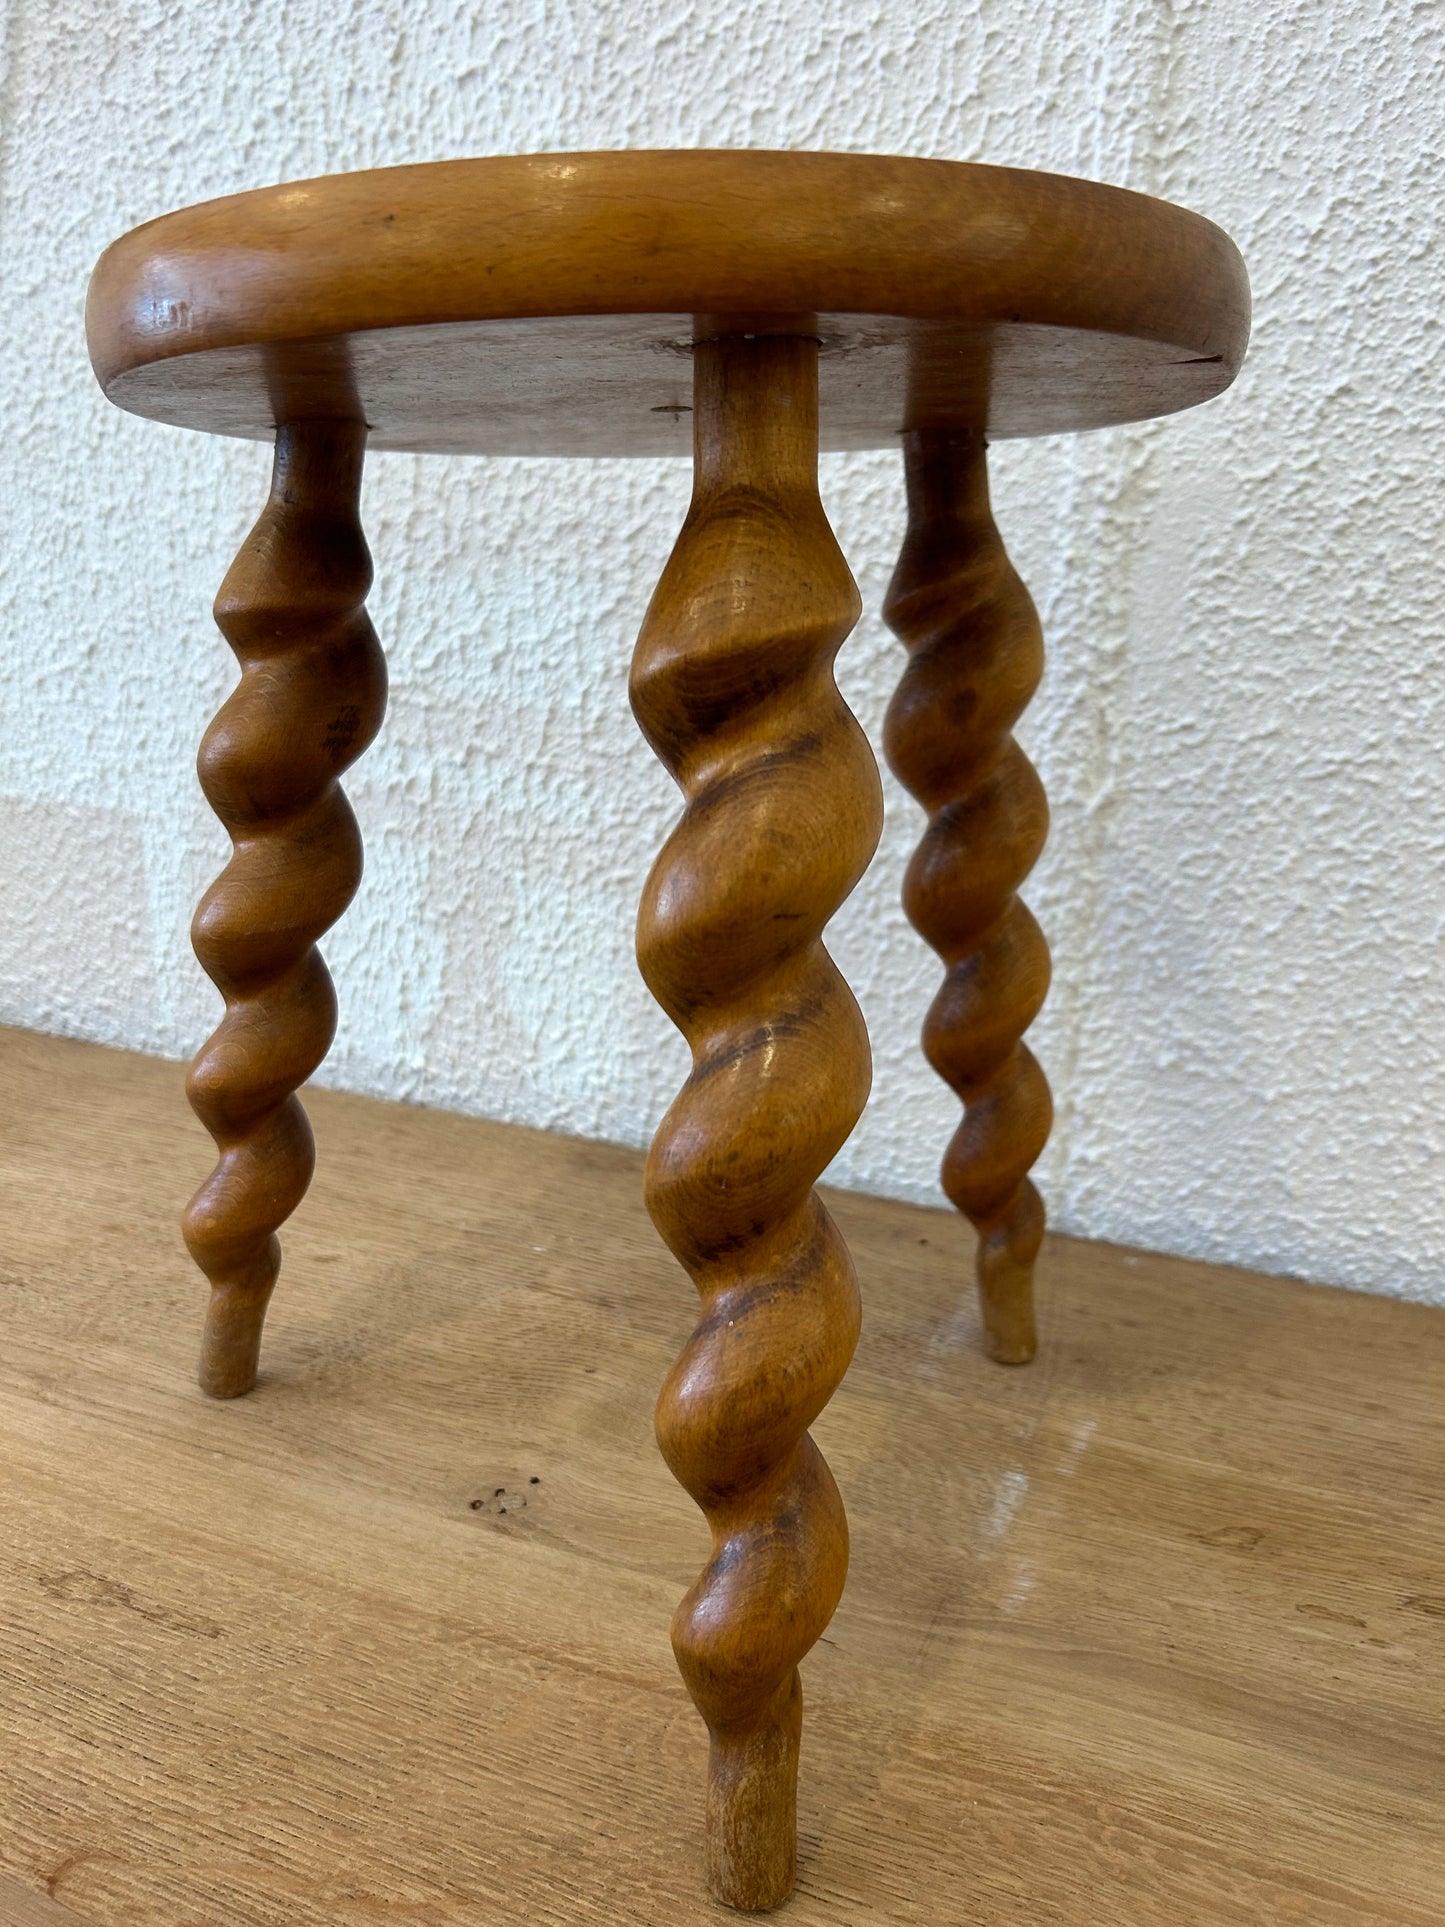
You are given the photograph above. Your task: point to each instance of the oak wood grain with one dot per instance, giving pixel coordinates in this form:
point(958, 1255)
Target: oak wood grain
point(1152, 1633)
point(544, 303)
point(310, 699)
point(732, 683)
point(975, 655)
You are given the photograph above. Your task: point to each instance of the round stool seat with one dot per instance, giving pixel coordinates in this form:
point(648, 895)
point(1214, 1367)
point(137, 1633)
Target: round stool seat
point(547, 304)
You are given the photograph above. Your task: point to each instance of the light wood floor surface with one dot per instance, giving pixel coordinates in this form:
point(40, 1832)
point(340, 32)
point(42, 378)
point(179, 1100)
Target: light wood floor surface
point(1149, 1634)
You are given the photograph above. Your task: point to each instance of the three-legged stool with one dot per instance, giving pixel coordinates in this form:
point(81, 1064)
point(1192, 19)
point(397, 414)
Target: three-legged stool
point(591, 304)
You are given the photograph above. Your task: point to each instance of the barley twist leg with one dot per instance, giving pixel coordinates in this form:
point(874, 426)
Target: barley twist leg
point(733, 686)
point(310, 698)
point(975, 656)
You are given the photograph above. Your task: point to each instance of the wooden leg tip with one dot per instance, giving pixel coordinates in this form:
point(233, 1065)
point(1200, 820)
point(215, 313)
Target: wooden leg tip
point(1004, 1268)
point(752, 1808)
point(1009, 1336)
point(231, 1345)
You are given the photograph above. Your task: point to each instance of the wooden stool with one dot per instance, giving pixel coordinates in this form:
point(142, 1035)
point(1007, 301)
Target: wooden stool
point(588, 304)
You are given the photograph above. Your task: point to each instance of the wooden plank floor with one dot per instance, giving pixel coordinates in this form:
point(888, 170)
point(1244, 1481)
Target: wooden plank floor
point(1148, 1633)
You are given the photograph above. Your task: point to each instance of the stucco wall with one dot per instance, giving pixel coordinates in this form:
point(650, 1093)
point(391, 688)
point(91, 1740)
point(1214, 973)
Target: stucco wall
point(1241, 728)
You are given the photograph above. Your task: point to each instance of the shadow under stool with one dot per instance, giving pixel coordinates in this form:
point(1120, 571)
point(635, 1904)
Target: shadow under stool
point(590, 305)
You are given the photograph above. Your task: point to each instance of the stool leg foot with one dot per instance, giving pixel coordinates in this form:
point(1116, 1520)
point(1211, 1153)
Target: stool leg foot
point(310, 698)
point(733, 687)
point(975, 654)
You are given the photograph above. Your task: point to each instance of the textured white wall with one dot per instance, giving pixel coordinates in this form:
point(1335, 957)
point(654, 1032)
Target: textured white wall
point(1241, 728)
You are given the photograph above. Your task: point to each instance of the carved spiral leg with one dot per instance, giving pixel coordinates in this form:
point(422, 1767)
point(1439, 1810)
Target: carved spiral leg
point(310, 698)
point(733, 686)
point(975, 657)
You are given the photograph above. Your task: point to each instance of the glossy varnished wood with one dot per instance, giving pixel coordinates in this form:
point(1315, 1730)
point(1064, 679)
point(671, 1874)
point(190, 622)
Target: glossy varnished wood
point(310, 699)
point(1151, 1634)
point(733, 686)
point(975, 655)
point(544, 303)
